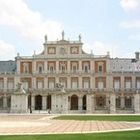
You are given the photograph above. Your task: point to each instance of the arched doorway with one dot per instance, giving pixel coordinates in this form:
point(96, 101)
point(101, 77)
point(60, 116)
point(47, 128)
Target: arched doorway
point(49, 102)
point(84, 103)
point(74, 102)
point(100, 102)
point(38, 102)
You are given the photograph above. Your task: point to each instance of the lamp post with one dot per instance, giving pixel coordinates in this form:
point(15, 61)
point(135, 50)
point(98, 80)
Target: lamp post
point(30, 92)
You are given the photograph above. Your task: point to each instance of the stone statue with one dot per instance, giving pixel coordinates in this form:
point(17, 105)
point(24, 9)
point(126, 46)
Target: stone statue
point(63, 34)
point(46, 38)
point(20, 88)
point(80, 37)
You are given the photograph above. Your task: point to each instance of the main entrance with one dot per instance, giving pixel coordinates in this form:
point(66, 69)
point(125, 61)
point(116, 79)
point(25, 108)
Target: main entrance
point(38, 102)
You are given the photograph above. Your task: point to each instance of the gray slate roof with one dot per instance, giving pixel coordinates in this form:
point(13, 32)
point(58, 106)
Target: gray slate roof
point(7, 66)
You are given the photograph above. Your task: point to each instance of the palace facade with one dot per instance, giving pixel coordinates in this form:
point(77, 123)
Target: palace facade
point(65, 79)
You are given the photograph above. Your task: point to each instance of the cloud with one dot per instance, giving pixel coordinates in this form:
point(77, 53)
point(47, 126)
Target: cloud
point(28, 23)
point(100, 48)
point(130, 5)
point(7, 51)
point(135, 37)
point(130, 24)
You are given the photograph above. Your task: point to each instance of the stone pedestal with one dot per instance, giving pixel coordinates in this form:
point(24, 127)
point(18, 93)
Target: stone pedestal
point(112, 104)
point(137, 103)
point(19, 103)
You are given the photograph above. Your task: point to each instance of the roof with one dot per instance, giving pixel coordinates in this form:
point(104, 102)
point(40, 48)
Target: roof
point(7, 66)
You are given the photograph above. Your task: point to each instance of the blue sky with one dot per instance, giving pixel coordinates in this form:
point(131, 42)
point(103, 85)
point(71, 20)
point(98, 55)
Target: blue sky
point(105, 25)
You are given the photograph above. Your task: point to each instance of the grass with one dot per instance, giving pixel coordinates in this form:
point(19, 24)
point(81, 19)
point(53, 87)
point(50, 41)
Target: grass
point(127, 135)
point(129, 118)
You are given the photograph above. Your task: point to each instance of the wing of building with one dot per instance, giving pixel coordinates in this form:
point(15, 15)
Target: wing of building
point(65, 79)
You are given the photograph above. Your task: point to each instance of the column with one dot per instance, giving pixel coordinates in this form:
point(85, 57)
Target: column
point(33, 102)
point(80, 82)
point(34, 67)
point(44, 99)
point(5, 83)
point(68, 67)
point(45, 67)
point(45, 83)
point(122, 102)
point(137, 103)
point(80, 103)
point(4, 102)
point(133, 82)
point(89, 103)
point(57, 66)
point(69, 82)
point(122, 82)
point(65, 103)
point(112, 103)
point(80, 66)
point(91, 83)
point(34, 82)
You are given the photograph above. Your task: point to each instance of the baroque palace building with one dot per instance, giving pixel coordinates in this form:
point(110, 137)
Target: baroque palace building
point(65, 79)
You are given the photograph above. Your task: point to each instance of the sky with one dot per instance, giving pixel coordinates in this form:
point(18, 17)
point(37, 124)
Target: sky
point(105, 25)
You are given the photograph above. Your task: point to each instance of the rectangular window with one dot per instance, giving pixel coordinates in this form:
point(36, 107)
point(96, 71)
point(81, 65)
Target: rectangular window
point(74, 85)
point(39, 84)
point(1, 84)
point(51, 84)
point(100, 69)
point(86, 84)
point(10, 85)
point(100, 85)
point(128, 84)
point(116, 84)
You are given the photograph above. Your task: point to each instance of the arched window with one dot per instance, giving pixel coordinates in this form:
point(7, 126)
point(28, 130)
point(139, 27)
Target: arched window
point(74, 102)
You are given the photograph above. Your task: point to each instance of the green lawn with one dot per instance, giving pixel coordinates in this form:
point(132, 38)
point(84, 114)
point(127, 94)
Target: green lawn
point(128, 135)
point(99, 117)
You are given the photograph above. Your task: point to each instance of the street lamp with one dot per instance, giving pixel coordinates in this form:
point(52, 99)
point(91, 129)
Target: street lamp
point(30, 92)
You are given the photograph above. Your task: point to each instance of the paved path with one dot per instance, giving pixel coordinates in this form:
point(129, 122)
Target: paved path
point(42, 124)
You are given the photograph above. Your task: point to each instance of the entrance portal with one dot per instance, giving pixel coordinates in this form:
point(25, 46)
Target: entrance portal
point(38, 102)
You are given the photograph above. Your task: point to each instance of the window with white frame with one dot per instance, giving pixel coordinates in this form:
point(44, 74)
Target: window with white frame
point(51, 84)
point(116, 84)
point(10, 85)
point(40, 84)
point(86, 84)
point(40, 69)
point(128, 84)
point(74, 84)
point(100, 85)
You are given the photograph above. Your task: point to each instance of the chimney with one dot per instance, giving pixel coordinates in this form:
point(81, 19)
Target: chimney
point(137, 55)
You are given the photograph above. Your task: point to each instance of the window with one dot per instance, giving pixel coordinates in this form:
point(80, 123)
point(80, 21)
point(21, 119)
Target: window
point(39, 84)
point(40, 69)
point(74, 68)
point(86, 84)
point(100, 85)
point(100, 68)
point(10, 85)
point(116, 84)
point(51, 69)
point(74, 84)
point(25, 68)
point(51, 84)
point(86, 68)
point(128, 84)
